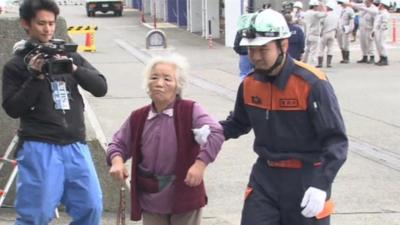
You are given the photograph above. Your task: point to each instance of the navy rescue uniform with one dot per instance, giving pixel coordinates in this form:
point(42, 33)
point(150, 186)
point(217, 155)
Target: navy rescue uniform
point(300, 139)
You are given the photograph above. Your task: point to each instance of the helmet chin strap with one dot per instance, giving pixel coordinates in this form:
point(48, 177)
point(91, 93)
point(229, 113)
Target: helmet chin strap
point(277, 63)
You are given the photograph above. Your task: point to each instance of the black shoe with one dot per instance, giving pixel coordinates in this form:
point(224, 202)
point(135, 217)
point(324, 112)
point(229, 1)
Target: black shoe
point(320, 59)
point(383, 62)
point(371, 60)
point(329, 61)
point(363, 60)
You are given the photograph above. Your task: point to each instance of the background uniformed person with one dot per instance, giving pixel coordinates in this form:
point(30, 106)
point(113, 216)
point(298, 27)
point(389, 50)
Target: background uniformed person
point(345, 28)
point(328, 34)
point(312, 20)
point(368, 12)
point(380, 31)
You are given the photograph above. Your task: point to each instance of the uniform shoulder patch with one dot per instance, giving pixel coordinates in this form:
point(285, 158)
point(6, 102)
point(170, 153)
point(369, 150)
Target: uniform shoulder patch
point(318, 73)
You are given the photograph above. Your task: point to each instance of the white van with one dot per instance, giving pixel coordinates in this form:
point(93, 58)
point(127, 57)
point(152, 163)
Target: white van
point(93, 6)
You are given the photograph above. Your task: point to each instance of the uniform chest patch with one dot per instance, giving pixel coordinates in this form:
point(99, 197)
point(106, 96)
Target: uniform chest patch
point(288, 103)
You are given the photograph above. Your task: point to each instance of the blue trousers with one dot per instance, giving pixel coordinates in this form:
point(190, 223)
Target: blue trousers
point(50, 174)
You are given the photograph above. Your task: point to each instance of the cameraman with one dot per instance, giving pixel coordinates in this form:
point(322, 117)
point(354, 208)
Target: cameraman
point(54, 162)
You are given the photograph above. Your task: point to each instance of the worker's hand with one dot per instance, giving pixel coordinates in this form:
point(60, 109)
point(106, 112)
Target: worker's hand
point(195, 174)
point(118, 169)
point(313, 202)
point(201, 134)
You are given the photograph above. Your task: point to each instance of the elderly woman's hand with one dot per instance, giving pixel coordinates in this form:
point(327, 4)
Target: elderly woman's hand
point(195, 175)
point(118, 169)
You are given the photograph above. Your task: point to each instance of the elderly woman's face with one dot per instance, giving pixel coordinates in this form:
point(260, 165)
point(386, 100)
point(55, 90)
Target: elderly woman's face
point(163, 84)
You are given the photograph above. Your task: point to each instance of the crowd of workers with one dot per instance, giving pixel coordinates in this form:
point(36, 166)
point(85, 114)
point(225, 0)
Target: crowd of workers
point(316, 29)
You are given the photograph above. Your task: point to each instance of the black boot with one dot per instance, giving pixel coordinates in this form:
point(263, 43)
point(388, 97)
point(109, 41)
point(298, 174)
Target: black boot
point(363, 60)
point(329, 61)
point(383, 61)
point(320, 60)
point(343, 57)
point(346, 56)
point(371, 59)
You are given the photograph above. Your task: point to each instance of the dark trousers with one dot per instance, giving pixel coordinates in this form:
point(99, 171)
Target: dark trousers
point(275, 194)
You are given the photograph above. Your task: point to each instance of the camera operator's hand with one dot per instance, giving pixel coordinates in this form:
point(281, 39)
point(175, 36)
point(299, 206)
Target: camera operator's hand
point(74, 67)
point(35, 66)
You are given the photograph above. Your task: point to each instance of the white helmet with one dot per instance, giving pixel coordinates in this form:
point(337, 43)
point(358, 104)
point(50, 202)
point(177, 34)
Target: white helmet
point(343, 1)
point(298, 4)
point(313, 3)
point(263, 27)
point(385, 2)
point(331, 4)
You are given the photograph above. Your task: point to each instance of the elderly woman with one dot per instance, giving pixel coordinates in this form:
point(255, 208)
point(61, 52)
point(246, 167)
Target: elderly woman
point(171, 141)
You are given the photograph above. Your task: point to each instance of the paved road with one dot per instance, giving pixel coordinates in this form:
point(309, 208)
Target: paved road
point(367, 188)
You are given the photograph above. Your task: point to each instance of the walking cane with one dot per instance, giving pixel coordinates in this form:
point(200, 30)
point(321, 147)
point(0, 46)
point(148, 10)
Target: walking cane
point(121, 209)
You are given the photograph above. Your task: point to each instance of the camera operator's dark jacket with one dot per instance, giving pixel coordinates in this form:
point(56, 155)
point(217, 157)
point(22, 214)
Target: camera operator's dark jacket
point(30, 99)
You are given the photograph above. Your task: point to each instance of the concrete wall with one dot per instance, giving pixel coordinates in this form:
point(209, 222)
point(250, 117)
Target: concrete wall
point(11, 32)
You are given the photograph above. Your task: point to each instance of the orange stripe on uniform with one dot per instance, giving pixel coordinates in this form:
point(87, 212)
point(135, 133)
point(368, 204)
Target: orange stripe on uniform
point(327, 211)
point(266, 96)
point(321, 75)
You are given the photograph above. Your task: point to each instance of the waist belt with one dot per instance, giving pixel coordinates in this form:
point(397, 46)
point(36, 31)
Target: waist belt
point(289, 163)
point(150, 183)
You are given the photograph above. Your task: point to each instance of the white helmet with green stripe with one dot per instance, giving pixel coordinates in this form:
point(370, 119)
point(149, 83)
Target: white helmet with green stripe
point(263, 27)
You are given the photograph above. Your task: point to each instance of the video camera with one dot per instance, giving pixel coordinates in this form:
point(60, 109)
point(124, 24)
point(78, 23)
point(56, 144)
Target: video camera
point(52, 65)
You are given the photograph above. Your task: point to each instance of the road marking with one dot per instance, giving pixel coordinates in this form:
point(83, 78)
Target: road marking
point(379, 155)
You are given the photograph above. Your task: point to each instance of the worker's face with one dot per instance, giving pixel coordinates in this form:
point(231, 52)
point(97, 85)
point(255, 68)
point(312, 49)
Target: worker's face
point(263, 57)
point(163, 84)
point(368, 3)
point(42, 26)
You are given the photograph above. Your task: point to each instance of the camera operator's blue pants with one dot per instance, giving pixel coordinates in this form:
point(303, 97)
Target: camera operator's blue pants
point(50, 174)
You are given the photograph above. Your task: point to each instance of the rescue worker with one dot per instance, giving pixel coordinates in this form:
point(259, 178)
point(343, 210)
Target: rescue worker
point(345, 28)
point(312, 20)
point(328, 33)
point(298, 14)
point(368, 12)
point(380, 31)
point(300, 137)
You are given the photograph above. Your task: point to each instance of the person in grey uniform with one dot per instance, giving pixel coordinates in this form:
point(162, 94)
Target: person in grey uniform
point(298, 14)
point(312, 20)
point(380, 32)
point(368, 12)
point(328, 33)
point(345, 28)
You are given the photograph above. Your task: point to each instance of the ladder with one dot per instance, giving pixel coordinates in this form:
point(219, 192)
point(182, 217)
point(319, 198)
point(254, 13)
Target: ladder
point(5, 159)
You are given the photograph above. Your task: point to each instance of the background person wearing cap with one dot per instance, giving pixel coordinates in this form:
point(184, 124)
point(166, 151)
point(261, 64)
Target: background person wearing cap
point(379, 33)
point(312, 20)
point(345, 29)
point(298, 14)
point(328, 34)
point(368, 12)
point(296, 40)
point(299, 132)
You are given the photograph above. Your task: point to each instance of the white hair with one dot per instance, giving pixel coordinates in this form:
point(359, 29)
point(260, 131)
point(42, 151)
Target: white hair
point(181, 69)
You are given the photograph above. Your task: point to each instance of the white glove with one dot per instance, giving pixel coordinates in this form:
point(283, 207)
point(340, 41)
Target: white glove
point(201, 134)
point(313, 202)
